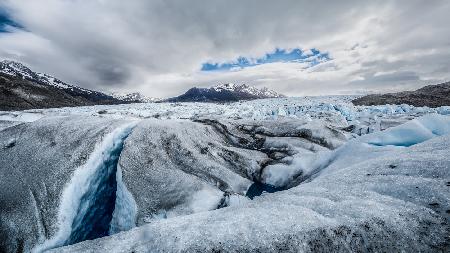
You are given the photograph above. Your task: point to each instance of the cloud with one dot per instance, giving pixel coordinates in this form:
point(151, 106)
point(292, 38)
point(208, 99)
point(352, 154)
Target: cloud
point(158, 47)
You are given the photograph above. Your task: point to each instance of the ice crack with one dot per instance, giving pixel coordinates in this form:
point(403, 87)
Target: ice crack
point(88, 204)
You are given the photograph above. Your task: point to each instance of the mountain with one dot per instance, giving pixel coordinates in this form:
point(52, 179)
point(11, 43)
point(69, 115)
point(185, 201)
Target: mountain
point(228, 92)
point(22, 88)
point(135, 97)
point(431, 96)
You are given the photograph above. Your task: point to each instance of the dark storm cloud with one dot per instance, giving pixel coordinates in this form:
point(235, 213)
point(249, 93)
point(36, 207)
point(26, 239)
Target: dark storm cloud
point(6, 23)
point(159, 46)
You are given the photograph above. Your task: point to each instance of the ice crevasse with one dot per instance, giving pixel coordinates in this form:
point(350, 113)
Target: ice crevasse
point(95, 203)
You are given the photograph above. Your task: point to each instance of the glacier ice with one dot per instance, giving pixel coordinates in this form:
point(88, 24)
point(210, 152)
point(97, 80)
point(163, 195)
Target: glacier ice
point(35, 170)
point(413, 132)
point(366, 198)
point(125, 209)
point(323, 175)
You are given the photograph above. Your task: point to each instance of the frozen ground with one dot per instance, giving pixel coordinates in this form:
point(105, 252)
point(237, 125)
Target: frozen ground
point(195, 177)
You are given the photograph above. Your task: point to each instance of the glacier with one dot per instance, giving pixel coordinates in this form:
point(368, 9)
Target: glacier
point(289, 174)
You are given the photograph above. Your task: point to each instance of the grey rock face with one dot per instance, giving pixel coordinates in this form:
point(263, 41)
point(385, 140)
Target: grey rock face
point(431, 96)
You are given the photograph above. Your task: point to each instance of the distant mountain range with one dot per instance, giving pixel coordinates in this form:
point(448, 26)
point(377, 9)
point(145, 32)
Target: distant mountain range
point(431, 96)
point(228, 92)
point(22, 88)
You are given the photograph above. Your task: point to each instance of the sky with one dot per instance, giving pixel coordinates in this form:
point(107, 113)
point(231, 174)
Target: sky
point(161, 48)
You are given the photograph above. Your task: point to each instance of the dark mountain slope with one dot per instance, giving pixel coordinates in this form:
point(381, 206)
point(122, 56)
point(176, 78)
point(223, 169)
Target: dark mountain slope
point(21, 88)
point(431, 96)
point(21, 94)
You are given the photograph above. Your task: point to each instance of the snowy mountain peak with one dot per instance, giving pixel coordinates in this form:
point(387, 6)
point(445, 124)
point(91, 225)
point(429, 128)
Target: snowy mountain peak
point(17, 69)
point(227, 92)
point(225, 86)
point(244, 88)
point(135, 97)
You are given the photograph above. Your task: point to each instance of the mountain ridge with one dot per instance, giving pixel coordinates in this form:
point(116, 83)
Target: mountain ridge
point(21, 89)
point(227, 92)
point(431, 95)
point(135, 97)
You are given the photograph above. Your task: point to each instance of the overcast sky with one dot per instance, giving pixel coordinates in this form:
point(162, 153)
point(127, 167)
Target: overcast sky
point(161, 48)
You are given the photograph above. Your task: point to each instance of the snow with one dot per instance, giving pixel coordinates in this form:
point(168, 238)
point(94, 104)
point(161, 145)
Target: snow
point(263, 92)
point(206, 199)
point(53, 81)
point(133, 97)
point(14, 68)
point(280, 175)
point(226, 86)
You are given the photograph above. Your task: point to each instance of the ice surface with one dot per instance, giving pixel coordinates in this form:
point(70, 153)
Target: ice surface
point(352, 178)
point(392, 201)
point(206, 199)
point(125, 208)
point(282, 174)
point(359, 197)
point(333, 108)
point(305, 164)
point(179, 167)
point(413, 132)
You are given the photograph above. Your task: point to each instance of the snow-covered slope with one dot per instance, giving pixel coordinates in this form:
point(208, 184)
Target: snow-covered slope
point(228, 92)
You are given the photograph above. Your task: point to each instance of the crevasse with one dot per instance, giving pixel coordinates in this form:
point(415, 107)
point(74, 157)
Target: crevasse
point(95, 203)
